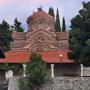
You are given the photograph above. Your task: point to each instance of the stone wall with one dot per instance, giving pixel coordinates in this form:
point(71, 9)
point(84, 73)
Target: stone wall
point(3, 84)
point(86, 71)
point(13, 84)
point(66, 83)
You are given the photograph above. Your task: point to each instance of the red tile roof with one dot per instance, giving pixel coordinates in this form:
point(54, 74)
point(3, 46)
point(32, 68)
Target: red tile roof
point(39, 14)
point(54, 57)
point(47, 56)
point(15, 57)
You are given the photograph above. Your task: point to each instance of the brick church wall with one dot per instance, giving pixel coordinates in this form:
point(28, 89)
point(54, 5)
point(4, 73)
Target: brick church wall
point(41, 35)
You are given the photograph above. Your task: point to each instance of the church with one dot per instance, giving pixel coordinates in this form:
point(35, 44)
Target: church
point(42, 38)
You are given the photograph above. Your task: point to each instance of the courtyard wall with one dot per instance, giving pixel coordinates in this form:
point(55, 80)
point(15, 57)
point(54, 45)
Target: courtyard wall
point(61, 83)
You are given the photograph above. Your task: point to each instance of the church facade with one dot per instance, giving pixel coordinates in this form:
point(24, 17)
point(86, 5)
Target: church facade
point(41, 35)
point(42, 38)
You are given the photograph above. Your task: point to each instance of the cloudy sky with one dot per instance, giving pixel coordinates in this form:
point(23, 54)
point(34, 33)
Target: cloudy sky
point(9, 9)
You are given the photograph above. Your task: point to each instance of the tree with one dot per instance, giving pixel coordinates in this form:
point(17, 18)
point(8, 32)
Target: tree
point(80, 36)
point(37, 70)
point(9, 66)
point(63, 26)
point(17, 26)
point(51, 12)
point(57, 23)
point(5, 36)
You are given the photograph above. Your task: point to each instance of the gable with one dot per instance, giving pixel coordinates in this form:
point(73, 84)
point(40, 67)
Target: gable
point(41, 38)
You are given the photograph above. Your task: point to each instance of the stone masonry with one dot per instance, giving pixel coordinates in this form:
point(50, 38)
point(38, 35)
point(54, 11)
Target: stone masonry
point(63, 83)
point(68, 84)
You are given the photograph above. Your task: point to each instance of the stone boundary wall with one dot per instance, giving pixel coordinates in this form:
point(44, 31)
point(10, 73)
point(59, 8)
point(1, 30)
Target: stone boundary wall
point(65, 83)
point(86, 71)
point(13, 84)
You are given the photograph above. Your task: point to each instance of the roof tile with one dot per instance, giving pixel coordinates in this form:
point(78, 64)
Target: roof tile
point(47, 56)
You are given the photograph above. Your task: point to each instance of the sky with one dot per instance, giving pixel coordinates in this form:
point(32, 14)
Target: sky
point(10, 9)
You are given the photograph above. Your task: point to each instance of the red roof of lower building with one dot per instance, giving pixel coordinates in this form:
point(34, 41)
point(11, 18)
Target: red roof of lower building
point(54, 56)
point(47, 56)
point(15, 57)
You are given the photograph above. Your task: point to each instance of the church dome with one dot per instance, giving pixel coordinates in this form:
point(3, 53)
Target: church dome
point(40, 20)
point(39, 13)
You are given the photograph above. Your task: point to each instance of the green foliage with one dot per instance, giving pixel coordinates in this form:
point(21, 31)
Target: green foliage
point(17, 26)
point(88, 42)
point(5, 36)
point(51, 12)
point(4, 66)
point(57, 23)
point(8, 66)
point(63, 26)
point(80, 36)
point(24, 84)
point(37, 70)
point(85, 56)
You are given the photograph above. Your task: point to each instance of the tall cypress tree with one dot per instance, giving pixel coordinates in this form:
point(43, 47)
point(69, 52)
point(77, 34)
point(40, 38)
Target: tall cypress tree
point(63, 25)
point(57, 23)
point(5, 36)
point(17, 26)
point(51, 11)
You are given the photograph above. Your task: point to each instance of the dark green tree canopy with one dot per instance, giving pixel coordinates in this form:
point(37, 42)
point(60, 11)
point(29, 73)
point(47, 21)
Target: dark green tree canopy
point(51, 11)
point(80, 35)
point(63, 25)
point(17, 26)
point(37, 70)
point(5, 36)
point(57, 23)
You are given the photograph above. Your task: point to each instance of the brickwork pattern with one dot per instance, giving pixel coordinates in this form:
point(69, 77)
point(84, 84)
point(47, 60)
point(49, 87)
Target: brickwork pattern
point(41, 35)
